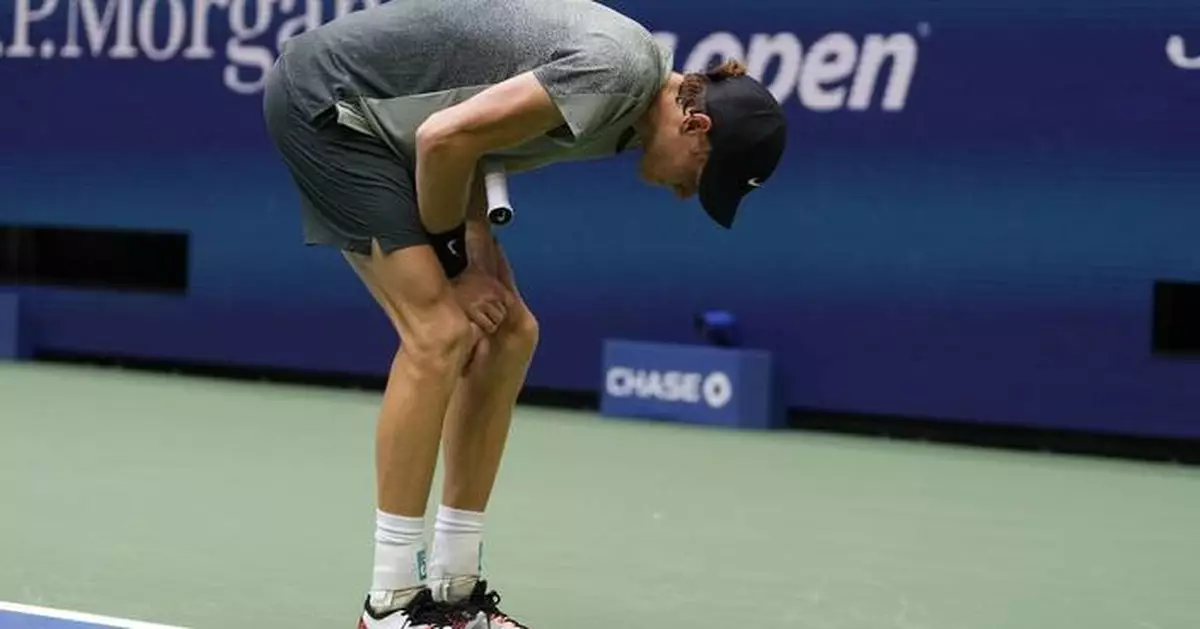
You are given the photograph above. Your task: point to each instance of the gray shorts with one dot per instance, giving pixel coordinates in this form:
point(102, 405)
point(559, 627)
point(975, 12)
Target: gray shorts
point(353, 188)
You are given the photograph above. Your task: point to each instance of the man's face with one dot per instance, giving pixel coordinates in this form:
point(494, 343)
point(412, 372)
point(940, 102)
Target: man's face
point(675, 156)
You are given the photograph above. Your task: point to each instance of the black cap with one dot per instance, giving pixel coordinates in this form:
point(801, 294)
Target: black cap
point(748, 135)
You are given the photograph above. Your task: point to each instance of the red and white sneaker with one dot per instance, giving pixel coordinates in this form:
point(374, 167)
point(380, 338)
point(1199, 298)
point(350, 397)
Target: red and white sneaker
point(488, 604)
point(422, 612)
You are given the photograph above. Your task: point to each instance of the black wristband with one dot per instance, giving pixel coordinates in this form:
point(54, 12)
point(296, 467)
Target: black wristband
point(451, 250)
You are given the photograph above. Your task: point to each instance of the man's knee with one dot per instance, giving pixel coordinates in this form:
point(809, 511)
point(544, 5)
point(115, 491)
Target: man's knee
point(518, 337)
point(439, 345)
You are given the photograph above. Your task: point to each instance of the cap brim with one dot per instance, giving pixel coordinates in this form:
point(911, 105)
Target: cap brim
point(719, 199)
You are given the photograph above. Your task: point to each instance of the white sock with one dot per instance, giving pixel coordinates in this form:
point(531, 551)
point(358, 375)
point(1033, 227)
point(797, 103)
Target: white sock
point(400, 569)
point(457, 553)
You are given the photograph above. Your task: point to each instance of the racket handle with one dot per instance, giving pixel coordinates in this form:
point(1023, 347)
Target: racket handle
point(499, 211)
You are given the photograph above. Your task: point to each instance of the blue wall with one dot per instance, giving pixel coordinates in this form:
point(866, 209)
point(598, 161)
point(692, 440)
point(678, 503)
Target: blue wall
point(972, 234)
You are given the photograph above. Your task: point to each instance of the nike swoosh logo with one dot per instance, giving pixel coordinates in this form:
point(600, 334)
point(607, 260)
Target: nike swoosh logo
point(754, 182)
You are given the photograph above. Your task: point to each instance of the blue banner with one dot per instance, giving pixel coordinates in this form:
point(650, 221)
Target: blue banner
point(693, 384)
point(976, 202)
point(11, 346)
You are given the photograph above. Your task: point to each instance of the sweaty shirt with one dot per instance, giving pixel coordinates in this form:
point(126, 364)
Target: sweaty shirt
point(386, 69)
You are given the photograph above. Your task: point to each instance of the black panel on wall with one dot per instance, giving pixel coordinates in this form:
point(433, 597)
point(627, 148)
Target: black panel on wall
point(94, 258)
point(1176, 318)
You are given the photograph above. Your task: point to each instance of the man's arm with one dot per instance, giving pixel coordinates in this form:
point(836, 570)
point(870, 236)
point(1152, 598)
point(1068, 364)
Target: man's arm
point(481, 245)
point(451, 142)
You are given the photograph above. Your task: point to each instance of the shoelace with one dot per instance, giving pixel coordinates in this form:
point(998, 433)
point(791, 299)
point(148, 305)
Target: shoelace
point(426, 611)
point(489, 604)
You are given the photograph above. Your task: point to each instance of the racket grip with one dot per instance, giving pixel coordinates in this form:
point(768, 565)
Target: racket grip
point(499, 211)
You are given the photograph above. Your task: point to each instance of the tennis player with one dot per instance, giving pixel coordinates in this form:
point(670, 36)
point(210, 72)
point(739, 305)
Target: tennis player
point(384, 118)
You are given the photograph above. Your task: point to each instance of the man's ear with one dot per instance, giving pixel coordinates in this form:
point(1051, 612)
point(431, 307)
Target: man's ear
point(696, 123)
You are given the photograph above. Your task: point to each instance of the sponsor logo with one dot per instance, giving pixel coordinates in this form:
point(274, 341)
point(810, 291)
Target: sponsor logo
point(832, 72)
point(422, 565)
point(251, 31)
point(836, 71)
point(714, 389)
point(1177, 53)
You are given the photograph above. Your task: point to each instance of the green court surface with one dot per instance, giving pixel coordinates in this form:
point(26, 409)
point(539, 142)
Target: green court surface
point(228, 505)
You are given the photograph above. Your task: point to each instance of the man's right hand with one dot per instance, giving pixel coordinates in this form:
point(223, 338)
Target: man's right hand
point(482, 297)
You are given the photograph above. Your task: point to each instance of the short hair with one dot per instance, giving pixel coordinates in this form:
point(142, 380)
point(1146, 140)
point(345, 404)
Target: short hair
point(691, 92)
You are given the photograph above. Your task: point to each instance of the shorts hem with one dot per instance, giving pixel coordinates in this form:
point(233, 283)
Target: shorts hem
point(363, 246)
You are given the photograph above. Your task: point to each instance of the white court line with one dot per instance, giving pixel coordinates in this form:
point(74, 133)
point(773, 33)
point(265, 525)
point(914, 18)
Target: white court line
point(62, 614)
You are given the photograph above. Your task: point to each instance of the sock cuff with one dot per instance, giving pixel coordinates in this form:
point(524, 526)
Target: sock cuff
point(398, 529)
point(458, 520)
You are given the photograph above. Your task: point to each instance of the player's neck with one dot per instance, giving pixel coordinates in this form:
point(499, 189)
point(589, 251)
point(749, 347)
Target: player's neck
point(658, 114)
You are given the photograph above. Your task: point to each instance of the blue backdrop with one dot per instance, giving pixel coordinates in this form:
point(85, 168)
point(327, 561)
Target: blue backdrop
point(977, 201)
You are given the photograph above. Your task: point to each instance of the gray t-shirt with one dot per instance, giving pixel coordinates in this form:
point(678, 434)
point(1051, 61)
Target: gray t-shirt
point(386, 69)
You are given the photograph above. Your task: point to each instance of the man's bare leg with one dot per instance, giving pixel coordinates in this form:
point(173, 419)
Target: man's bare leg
point(476, 432)
point(412, 289)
